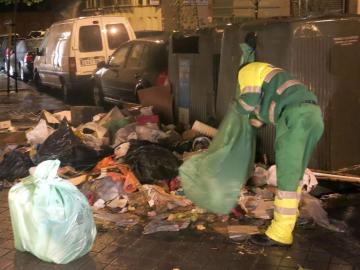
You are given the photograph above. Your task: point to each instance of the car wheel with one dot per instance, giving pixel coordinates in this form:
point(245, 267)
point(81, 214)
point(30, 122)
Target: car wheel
point(37, 81)
point(23, 75)
point(98, 96)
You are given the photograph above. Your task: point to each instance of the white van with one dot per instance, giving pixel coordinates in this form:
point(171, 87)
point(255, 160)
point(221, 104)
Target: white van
point(72, 48)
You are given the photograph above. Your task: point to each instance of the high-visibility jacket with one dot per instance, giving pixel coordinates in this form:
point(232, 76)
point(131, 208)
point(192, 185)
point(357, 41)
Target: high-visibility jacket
point(264, 90)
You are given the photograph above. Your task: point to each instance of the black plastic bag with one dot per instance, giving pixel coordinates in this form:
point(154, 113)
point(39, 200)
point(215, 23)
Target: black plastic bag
point(151, 162)
point(64, 145)
point(15, 165)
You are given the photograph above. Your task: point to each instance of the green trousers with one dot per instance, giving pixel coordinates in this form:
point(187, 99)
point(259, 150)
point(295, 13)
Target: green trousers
point(298, 130)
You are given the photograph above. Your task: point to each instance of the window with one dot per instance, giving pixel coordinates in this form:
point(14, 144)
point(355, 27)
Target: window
point(90, 38)
point(135, 57)
point(118, 58)
point(116, 35)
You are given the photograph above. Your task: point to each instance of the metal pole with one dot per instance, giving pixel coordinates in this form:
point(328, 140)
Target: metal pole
point(15, 54)
point(8, 45)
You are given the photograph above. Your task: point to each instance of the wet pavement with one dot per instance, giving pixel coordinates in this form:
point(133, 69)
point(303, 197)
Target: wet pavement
point(24, 106)
point(313, 248)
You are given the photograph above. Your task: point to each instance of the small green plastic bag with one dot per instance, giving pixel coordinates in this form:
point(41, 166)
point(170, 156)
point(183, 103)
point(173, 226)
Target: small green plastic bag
point(50, 217)
point(213, 179)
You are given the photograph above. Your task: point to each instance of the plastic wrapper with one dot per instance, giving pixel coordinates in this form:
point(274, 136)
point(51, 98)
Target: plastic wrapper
point(93, 135)
point(151, 162)
point(213, 179)
point(39, 133)
point(149, 132)
point(103, 188)
point(50, 217)
point(15, 165)
point(157, 197)
point(309, 181)
point(64, 145)
point(311, 208)
point(123, 134)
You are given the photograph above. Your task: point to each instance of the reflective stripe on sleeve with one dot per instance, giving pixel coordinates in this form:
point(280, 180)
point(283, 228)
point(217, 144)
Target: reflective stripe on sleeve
point(246, 106)
point(272, 112)
point(256, 123)
point(272, 74)
point(251, 89)
point(286, 85)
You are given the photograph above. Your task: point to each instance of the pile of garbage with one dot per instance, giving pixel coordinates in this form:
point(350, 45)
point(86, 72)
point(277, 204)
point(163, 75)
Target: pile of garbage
point(126, 164)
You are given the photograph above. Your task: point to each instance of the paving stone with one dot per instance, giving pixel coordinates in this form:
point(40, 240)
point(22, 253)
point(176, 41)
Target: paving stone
point(340, 267)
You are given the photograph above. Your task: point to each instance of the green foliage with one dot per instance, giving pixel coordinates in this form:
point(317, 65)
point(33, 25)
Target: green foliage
point(26, 2)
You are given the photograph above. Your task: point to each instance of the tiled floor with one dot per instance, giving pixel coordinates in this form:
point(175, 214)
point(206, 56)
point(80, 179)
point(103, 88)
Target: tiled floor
point(120, 249)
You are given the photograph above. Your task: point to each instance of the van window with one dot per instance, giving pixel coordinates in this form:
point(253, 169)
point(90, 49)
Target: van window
point(116, 35)
point(90, 38)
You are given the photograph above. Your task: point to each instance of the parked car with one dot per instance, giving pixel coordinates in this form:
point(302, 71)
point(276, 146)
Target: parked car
point(5, 48)
point(72, 48)
point(135, 65)
point(25, 54)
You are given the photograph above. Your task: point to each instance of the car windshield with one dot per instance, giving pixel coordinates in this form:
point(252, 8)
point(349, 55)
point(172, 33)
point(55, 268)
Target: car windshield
point(90, 38)
point(116, 35)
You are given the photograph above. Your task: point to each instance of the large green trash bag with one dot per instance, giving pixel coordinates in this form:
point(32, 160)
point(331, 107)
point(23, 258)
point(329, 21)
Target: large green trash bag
point(50, 217)
point(212, 180)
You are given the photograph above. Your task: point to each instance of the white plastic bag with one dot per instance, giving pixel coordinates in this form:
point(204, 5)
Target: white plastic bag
point(50, 217)
point(40, 133)
point(309, 180)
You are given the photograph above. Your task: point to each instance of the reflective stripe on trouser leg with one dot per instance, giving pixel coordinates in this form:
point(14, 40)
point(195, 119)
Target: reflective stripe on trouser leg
point(285, 215)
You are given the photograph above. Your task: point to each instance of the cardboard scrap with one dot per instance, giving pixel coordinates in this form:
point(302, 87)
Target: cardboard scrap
point(49, 117)
point(5, 125)
point(63, 114)
point(78, 180)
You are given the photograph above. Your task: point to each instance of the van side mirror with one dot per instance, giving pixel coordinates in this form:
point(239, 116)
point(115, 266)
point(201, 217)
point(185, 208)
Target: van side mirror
point(101, 64)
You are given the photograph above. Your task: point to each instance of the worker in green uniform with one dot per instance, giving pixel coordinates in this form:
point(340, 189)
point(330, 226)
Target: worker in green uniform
point(270, 95)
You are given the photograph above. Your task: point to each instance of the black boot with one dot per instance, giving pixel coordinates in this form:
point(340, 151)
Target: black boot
point(264, 240)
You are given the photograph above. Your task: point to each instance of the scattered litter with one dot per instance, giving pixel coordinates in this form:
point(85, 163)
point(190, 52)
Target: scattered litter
point(99, 204)
point(120, 219)
point(49, 118)
point(241, 232)
point(157, 197)
point(204, 129)
point(63, 115)
point(200, 227)
point(312, 209)
point(15, 165)
point(157, 225)
point(309, 181)
point(122, 150)
point(118, 203)
point(78, 180)
point(151, 162)
point(64, 145)
point(39, 133)
point(5, 125)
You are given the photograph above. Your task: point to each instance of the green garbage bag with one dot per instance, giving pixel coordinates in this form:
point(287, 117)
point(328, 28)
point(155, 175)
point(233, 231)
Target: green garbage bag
point(212, 180)
point(50, 217)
